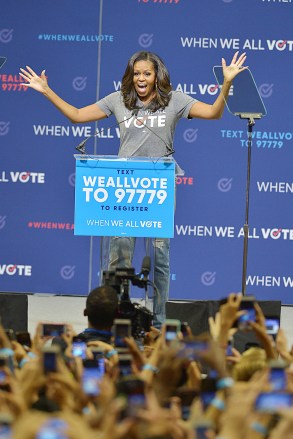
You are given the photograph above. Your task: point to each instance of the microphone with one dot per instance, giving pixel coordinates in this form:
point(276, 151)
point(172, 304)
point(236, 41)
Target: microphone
point(141, 280)
point(81, 147)
point(146, 267)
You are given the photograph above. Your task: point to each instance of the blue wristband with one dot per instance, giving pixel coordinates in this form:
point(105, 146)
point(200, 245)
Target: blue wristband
point(23, 362)
point(7, 351)
point(259, 428)
point(150, 367)
point(218, 404)
point(31, 355)
point(225, 383)
point(111, 354)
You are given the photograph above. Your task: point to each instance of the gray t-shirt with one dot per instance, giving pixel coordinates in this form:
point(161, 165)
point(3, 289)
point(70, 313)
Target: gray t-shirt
point(146, 134)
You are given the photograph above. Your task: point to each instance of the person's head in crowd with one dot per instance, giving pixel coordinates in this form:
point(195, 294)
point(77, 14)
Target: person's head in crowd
point(101, 307)
point(252, 360)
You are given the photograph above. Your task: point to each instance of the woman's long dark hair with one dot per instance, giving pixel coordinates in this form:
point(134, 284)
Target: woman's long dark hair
point(163, 85)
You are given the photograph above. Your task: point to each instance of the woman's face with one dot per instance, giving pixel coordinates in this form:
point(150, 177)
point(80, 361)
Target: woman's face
point(144, 80)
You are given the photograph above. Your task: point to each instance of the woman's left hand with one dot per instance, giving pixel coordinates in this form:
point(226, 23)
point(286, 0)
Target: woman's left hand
point(235, 67)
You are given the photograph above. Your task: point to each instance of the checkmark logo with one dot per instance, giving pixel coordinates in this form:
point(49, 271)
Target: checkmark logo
point(71, 179)
point(277, 232)
point(79, 83)
point(25, 176)
point(6, 35)
point(208, 278)
point(190, 135)
point(145, 40)
point(12, 269)
point(67, 272)
point(2, 222)
point(225, 184)
point(4, 128)
point(281, 44)
point(266, 90)
point(214, 88)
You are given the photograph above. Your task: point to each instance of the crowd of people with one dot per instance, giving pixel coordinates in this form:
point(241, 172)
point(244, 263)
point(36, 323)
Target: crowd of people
point(169, 384)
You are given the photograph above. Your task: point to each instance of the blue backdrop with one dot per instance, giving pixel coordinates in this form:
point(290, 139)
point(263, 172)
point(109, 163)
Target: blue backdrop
point(84, 46)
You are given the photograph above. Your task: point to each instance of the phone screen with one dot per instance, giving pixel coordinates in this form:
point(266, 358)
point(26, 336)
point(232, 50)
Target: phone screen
point(53, 329)
point(278, 379)
point(2, 376)
point(50, 361)
point(191, 349)
point(272, 325)
point(187, 397)
point(121, 330)
point(99, 360)
point(125, 365)
point(171, 332)
point(272, 401)
point(5, 431)
point(204, 431)
point(250, 314)
point(136, 400)
point(229, 348)
point(133, 389)
point(184, 329)
point(79, 348)
point(208, 391)
point(90, 381)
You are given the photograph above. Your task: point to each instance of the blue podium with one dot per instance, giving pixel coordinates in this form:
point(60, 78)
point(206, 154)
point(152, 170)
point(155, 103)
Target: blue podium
point(117, 196)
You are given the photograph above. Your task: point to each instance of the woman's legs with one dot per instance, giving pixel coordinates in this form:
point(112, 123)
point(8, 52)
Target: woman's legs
point(121, 255)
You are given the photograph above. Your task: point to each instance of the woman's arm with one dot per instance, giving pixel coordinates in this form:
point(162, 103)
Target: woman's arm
point(206, 111)
point(75, 115)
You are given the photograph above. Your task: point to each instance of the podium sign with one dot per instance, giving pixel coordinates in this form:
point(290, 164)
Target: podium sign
point(117, 196)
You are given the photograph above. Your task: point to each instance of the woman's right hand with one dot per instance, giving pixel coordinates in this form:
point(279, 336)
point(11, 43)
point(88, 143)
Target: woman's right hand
point(32, 80)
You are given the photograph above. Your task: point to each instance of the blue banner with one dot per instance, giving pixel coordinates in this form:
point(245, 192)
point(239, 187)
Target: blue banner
point(123, 197)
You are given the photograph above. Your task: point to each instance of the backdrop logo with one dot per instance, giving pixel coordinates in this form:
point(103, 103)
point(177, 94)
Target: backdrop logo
point(6, 35)
point(22, 177)
point(231, 232)
point(227, 1)
point(260, 139)
point(225, 184)
point(145, 40)
point(190, 135)
point(184, 181)
point(4, 128)
point(203, 89)
point(208, 278)
point(267, 280)
point(71, 179)
point(174, 2)
point(275, 186)
point(76, 38)
point(277, 3)
point(15, 270)
point(200, 42)
point(50, 225)
point(61, 130)
point(2, 222)
point(67, 272)
point(266, 90)
point(79, 83)
point(11, 82)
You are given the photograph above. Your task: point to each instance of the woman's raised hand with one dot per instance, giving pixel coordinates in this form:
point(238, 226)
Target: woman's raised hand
point(235, 67)
point(32, 80)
